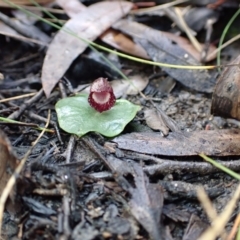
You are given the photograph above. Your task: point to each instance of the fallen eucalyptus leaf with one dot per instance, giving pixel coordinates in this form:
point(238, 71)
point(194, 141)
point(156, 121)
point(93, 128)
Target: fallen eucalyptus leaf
point(213, 143)
point(65, 47)
point(76, 116)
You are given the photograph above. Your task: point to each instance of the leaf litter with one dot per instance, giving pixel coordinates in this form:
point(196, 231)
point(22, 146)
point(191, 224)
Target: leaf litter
point(65, 47)
point(102, 200)
point(154, 120)
point(146, 203)
point(161, 49)
point(213, 143)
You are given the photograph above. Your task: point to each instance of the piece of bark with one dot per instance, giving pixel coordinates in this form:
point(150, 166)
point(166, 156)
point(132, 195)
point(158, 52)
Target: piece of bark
point(225, 100)
point(195, 228)
point(146, 203)
point(213, 143)
point(8, 162)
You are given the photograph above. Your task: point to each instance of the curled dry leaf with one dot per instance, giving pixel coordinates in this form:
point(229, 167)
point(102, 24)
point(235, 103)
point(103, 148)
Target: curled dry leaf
point(65, 47)
point(131, 87)
point(226, 95)
point(8, 161)
point(154, 120)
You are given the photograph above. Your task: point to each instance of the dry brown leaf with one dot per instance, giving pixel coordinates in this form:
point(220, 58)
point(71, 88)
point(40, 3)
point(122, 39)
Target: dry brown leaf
point(25, 2)
point(8, 161)
point(64, 48)
point(213, 143)
point(154, 120)
point(188, 47)
point(121, 42)
point(71, 7)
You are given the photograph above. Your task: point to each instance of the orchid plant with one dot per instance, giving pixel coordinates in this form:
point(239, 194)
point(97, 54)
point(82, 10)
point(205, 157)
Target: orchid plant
point(97, 112)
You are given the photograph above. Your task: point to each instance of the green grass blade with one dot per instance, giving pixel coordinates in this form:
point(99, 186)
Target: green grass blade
point(220, 166)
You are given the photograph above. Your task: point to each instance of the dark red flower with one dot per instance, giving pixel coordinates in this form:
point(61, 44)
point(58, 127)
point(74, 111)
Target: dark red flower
point(101, 96)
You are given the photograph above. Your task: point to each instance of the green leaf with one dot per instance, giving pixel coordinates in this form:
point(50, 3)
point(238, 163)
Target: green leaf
point(76, 116)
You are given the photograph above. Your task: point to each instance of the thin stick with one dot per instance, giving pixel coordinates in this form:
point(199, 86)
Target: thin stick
point(17, 97)
point(208, 207)
point(235, 228)
point(9, 186)
point(187, 30)
point(225, 32)
point(220, 222)
point(22, 38)
point(230, 41)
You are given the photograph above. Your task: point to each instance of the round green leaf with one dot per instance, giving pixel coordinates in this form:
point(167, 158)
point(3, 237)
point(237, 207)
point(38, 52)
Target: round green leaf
point(76, 116)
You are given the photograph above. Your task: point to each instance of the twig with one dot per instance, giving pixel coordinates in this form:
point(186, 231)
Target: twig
point(70, 148)
point(22, 38)
point(17, 97)
point(20, 60)
point(208, 207)
point(193, 40)
point(28, 103)
point(230, 41)
point(235, 228)
point(220, 222)
point(170, 166)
